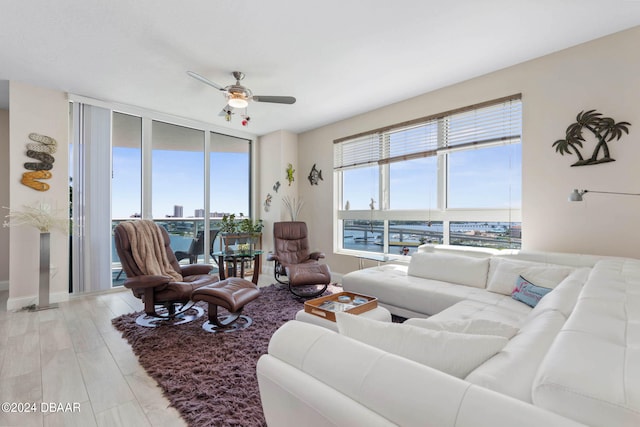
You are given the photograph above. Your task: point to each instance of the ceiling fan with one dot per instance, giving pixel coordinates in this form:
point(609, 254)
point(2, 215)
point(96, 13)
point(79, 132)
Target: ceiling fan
point(238, 96)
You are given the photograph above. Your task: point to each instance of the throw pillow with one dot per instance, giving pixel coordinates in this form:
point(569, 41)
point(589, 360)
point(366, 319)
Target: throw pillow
point(528, 293)
point(460, 269)
point(504, 272)
point(466, 326)
point(450, 352)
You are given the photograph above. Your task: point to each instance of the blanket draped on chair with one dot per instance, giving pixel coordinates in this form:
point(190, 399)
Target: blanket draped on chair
point(147, 247)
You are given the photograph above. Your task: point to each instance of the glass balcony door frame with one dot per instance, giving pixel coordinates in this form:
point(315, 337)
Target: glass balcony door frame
point(148, 117)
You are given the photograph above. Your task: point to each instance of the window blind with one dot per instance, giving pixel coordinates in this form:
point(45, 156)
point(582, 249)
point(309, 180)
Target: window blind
point(498, 121)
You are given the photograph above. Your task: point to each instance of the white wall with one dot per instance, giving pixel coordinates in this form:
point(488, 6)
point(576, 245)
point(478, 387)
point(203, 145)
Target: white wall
point(603, 74)
point(275, 151)
point(45, 112)
point(4, 198)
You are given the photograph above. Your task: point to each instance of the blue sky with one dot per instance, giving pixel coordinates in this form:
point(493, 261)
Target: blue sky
point(478, 179)
point(177, 180)
point(483, 178)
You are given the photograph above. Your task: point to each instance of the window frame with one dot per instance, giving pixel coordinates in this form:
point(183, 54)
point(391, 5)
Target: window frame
point(440, 211)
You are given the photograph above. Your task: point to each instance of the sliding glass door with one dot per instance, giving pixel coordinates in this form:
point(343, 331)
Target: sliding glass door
point(129, 166)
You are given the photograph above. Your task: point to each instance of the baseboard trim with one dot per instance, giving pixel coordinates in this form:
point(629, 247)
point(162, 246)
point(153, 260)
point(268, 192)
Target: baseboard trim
point(4, 285)
point(14, 304)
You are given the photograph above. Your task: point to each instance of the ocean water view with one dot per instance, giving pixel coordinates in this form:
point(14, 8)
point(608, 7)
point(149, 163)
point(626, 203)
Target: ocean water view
point(405, 237)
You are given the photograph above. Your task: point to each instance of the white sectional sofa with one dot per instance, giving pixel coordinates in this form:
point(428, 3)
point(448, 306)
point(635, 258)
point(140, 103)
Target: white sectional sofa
point(574, 358)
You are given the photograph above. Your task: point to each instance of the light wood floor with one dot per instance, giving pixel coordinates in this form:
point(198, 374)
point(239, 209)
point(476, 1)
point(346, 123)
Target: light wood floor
point(73, 354)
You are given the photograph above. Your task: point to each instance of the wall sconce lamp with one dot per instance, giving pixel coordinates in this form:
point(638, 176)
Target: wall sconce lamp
point(576, 196)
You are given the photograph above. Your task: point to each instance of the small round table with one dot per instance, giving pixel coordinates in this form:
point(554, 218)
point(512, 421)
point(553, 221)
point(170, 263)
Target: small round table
point(235, 257)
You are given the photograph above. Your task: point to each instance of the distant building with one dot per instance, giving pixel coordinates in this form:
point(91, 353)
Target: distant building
point(199, 213)
point(177, 211)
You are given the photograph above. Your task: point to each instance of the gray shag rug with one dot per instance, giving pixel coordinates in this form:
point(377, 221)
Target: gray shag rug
point(211, 378)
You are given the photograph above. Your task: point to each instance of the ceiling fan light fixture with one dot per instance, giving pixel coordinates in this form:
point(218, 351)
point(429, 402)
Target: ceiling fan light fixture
point(237, 100)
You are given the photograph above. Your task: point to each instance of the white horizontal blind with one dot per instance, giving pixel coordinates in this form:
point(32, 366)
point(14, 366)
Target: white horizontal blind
point(411, 142)
point(489, 123)
point(495, 123)
point(360, 151)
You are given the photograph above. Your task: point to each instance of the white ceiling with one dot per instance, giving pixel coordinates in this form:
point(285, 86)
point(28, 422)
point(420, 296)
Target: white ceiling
point(339, 58)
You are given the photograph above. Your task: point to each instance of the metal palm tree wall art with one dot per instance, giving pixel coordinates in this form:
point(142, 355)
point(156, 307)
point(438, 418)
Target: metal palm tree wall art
point(605, 129)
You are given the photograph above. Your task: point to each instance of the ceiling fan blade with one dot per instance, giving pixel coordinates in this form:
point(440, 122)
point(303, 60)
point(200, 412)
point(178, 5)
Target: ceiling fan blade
point(275, 99)
point(205, 80)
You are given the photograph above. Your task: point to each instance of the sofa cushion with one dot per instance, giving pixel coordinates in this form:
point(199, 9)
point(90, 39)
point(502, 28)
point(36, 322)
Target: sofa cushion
point(458, 269)
point(466, 326)
point(528, 293)
point(591, 373)
point(503, 274)
point(450, 352)
point(513, 314)
point(513, 370)
point(564, 296)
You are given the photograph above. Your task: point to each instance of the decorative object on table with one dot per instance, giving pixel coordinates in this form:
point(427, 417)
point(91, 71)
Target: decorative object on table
point(267, 202)
point(576, 196)
point(276, 186)
point(43, 217)
point(315, 175)
point(228, 223)
point(239, 232)
point(605, 129)
point(251, 227)
point(347, 206)
point(40, 149)
point(372, 205)
point(290, 170)
point(404, 250)
point(346, 299)
point(293, 206)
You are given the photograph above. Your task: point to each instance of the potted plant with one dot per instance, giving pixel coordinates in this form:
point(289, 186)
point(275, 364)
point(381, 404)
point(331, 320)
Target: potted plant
point(242, 232)
point(228, 224)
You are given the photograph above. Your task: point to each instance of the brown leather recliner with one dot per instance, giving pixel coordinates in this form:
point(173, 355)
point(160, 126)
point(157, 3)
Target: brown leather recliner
point(295, 261)
point(164, 298)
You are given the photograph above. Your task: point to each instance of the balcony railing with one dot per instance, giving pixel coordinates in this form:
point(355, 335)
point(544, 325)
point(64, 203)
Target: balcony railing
point(182, 231)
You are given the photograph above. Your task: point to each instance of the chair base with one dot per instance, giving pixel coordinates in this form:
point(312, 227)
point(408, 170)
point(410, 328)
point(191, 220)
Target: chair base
point(188, 315)
point(231, 323)
point(308, 291)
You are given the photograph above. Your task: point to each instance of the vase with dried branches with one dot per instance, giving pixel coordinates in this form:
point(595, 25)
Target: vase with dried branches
point(293, 205)
point(45, 218)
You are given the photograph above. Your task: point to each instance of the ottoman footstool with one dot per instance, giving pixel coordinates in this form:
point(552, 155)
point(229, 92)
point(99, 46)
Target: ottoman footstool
point(232, 294)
